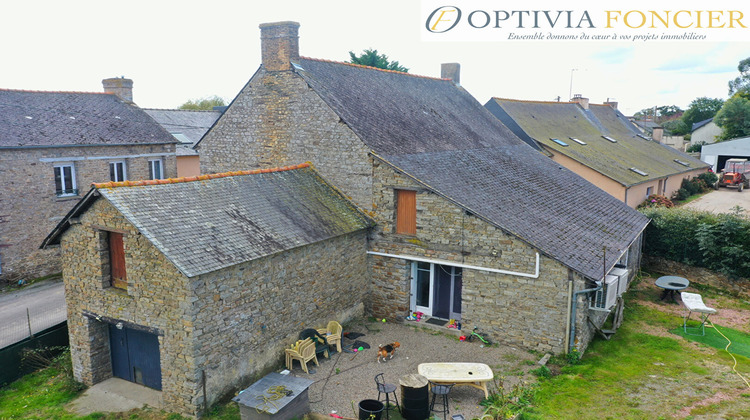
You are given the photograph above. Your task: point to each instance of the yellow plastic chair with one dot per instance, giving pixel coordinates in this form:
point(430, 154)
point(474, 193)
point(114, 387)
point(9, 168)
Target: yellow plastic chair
point(304, 352)
point(333, 334)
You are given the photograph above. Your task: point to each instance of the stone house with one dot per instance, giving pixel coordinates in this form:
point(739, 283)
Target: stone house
point(168, 280)
point(187, 127)
point(705, 131)
point(54, 145)
point(472, 223)
point(600, 144)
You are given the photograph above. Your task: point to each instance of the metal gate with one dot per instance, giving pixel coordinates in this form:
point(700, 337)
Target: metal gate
point(135, 356)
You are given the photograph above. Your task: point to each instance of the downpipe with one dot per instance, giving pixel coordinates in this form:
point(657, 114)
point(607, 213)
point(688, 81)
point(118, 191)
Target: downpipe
point(574, 306)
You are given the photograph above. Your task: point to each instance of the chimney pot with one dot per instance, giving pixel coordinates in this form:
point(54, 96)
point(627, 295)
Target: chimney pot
point(613, 104)
point(451, 71)
point(583, 102)
point(120, 86)
point(279, 43)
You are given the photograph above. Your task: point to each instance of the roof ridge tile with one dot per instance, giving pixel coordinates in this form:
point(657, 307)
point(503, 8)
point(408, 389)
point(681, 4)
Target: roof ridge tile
point(374, 68)
point(532, 101)
point(54, 91)
point(204, 177)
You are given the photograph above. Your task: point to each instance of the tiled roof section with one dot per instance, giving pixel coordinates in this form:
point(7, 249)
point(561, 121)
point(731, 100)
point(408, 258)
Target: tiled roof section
point(526, 194)
point(32, 118)
point(441, 136)
point(411, 114)
point(544, 121)
point(217, 221)
point(700, 124)
point(192, 124)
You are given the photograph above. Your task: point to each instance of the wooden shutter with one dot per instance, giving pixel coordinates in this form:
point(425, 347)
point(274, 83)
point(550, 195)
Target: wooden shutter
point(406, 212)
point(117, 261)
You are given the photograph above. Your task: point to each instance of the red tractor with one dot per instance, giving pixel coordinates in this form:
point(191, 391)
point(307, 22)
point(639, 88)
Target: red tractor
point(736, 173)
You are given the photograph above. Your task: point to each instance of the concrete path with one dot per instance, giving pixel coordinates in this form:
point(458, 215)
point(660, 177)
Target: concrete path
point(722, 201)
point(113, 396)
point(45, 302)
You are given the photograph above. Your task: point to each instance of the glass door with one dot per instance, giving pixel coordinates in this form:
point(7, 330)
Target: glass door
point(421, 287)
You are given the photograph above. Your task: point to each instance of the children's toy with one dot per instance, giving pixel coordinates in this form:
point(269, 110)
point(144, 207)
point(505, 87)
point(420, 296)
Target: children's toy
point(462, 338)
point(452, 323)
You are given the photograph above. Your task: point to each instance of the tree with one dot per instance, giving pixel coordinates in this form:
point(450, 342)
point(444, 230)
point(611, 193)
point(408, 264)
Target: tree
point(371, 58)
point(663, 113)
point(206, 104)
point(701, 109)
point(741, 84)
point(734, 118)
point(676, 127)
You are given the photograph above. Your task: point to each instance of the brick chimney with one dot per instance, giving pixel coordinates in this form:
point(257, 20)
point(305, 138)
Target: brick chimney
point(657, 134)
point(120, 86)
point(584, 102)
point(451, 71)
point(279, 42)
point(613, 104)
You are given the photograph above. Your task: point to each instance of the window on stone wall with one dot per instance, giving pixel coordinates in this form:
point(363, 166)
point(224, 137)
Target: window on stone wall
point(155, 169)
point(118, 276)
point(649, 191)
point(406, 212)
point(117, 172)
point(65, 180)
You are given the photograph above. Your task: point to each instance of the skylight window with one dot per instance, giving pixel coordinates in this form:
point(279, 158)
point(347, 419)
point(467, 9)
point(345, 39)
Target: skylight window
point(578, 141)
point(643, 137)
point(560, 142)
point(639, 172)
point(681, 162)
point(610, 139)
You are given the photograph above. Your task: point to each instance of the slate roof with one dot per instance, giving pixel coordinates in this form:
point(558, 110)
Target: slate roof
point(33, 118)
point(437, 133)
point(188, 126)
point(700, 124)
point(543, 121)
point(206, 223)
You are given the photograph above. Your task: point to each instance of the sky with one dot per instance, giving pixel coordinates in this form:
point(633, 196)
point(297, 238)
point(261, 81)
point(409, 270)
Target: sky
point(180, 50)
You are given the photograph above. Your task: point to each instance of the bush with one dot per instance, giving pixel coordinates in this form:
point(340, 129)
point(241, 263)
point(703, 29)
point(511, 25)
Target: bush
point(719, 242)
point(695, 147)
point(502, 404)
point(681, 195)
point(542, 372)
point(655, 200)
point(709, 178)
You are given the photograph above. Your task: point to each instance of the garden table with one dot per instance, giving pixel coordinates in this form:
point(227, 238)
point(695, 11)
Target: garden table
point(671, 284)
point(472, 374)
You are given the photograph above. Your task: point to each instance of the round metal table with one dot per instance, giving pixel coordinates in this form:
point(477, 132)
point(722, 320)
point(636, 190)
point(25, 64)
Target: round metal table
point(671, 284)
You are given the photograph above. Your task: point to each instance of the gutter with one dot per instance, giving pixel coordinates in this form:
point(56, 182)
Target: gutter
point(455, 264)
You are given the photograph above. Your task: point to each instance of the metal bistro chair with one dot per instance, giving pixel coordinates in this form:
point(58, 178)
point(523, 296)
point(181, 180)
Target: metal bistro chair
point(384, 388)
point(440, 390)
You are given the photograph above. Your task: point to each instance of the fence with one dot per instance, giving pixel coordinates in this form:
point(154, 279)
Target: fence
point(21, 325)
point(12, 362)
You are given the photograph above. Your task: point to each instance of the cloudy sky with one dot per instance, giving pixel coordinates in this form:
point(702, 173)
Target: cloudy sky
point(180, 50)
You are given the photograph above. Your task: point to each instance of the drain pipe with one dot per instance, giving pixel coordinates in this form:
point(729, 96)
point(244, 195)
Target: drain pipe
point(574, 305)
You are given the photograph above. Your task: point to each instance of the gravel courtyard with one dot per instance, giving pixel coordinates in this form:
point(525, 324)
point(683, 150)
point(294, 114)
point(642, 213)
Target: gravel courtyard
point(337, 392)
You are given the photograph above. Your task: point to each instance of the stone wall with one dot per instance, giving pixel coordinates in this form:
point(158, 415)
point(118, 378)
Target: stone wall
point(30, 209)
point(232, 324)
point(278, 120)
point(245, 315)
point(514, 310)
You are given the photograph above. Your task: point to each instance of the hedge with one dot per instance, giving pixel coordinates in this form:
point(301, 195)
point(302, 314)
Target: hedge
point(718, 242)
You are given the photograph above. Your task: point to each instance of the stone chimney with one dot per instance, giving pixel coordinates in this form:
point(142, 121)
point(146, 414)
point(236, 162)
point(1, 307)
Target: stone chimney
point(451, 71)
point(657, 134)
point(120, 86)
point(613, 104)
point(584, 102)
point(279, 42)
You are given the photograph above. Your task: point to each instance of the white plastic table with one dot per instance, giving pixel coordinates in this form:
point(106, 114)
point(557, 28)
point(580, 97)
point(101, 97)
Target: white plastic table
point(472, 374)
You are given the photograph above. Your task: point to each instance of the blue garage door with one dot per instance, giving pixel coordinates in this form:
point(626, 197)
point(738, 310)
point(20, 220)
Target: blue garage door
point(135, 356)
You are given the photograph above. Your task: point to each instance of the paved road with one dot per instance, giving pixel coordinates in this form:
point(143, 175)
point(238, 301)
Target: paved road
point(722, 201)
point(46, 304)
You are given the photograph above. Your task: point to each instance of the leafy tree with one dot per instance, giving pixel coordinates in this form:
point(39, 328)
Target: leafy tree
point(734, 118)
point(741, 84)
point(663, 113)
point(371, 58)
point(676, 127)
point(701, 109)
point(205, 104)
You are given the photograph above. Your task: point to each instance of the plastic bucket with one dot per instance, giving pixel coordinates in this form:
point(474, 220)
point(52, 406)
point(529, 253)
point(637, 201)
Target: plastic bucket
point(369, 408)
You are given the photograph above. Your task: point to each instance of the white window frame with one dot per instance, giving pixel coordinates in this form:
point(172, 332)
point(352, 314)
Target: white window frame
point(124, 170)
point(62, 192)
point(649, 191)
point(151, 170)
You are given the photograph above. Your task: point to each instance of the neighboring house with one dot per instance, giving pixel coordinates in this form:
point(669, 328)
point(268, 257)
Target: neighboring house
point(599, 143)
point(705, 131)
point(472, 223)
point(717, 154)
point(169, 282)
point(54, 145)
point(187, 126)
